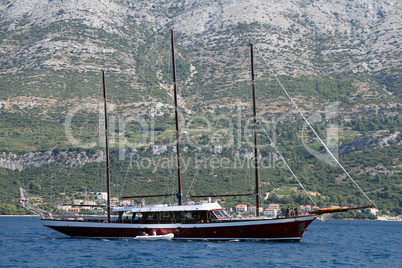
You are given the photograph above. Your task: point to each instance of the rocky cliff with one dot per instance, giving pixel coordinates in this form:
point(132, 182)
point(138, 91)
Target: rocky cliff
point(357, 36)
point(37, 159)
point(75, 158)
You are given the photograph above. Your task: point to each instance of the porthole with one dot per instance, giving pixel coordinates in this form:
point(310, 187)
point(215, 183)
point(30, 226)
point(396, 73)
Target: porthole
point(176, 231)
point(201, 232)
point(189, 232)
point(254, 229)
point(240, 230)
point(228, 231)
point(267, 228)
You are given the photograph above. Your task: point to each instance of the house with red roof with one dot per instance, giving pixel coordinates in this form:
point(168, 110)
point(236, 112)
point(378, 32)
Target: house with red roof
point(73, 210)
point(240, 208)
point(270, 212)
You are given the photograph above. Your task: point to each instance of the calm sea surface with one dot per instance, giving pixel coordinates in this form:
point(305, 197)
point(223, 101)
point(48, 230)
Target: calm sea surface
point(24, 242)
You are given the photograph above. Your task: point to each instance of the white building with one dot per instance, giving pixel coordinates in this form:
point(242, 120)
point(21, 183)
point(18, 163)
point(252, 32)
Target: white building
point(254, 209)
point(270, 212)
point(63, 207)
point(274, 206)
point(90, 203)
point(373, 211)
point(102, 196)
point(241, 208)
point(77, 202)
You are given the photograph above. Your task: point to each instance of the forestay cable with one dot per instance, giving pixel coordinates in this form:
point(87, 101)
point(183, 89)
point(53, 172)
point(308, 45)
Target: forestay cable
point(315, 133)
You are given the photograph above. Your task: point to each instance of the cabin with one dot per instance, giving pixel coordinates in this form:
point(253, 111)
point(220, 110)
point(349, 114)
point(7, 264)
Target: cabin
point(160, 214)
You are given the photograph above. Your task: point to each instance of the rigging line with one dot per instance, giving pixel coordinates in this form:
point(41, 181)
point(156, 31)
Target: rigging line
point(171, 178)
point(98, 183)
point(68, 177)
point(283, 159)
point(192, 182)
point(125, 178)
point(315, 133)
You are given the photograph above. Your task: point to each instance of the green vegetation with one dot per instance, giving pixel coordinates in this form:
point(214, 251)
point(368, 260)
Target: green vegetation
point(376, 171)
point(374, 123)
point(57, 68)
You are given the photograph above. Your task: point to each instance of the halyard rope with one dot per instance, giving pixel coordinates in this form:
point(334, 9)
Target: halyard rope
point(315, 133)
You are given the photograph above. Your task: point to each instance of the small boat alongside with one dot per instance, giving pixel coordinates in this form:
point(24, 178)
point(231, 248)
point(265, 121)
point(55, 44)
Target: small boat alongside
point(153, 236)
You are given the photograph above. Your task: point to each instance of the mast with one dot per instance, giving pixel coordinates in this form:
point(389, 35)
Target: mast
point(257, 179)
point(107, 146)
point(180, 190)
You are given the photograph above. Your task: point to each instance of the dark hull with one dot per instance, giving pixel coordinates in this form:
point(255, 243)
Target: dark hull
point(266, 229)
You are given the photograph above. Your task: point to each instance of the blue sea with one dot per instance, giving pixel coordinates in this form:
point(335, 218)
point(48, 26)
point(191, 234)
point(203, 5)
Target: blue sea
point(24, 242)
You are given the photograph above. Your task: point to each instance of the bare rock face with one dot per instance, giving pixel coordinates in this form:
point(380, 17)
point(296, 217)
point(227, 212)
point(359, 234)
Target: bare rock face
point(350, 35)
point(37, 159)
point(370, 142)
point(297, 37)
point(12, 161)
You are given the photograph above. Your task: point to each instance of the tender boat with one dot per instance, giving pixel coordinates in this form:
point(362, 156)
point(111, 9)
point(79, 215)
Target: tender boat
point(153, 236)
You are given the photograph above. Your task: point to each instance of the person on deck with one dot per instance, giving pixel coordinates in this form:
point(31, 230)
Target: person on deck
point(296, 211)
point(287, 212)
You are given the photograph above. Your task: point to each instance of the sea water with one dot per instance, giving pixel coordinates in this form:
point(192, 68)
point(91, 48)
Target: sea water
point(24, 242)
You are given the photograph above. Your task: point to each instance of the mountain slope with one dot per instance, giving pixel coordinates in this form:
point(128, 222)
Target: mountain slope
point(324, 52)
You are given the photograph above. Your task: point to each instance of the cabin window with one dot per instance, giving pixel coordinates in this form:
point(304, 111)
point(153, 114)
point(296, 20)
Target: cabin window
point(196, 215)
point(220, 214)
point(152, 216)
point(180, 215)
point(137, 216)
point(165, 216)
